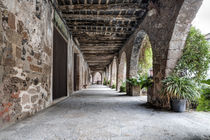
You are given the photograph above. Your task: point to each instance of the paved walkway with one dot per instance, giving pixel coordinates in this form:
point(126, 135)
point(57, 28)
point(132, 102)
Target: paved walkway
point(100, 113)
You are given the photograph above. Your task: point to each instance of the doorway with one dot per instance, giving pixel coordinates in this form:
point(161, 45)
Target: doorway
point(76, 72)
point(59, 65)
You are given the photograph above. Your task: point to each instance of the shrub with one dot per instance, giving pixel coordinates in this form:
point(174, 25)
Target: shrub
point(204, 101)
point(195, 61)
point(113, 86)
point(123, 87)
point(105, 82)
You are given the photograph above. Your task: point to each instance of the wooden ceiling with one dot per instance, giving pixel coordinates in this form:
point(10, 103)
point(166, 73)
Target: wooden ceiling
point(102, 26)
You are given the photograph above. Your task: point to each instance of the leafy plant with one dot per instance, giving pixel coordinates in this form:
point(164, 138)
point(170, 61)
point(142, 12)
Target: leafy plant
point(108, 82)
point(204, 101)
point(142, 81)
point(175, 87)
point(105, 82)
point(113, 86)
point(196, 57)
point(123, 87)
point(148, 82)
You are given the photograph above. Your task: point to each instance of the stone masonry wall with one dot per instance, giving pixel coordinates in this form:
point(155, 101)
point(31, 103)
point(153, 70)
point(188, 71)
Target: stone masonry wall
point(26, 59)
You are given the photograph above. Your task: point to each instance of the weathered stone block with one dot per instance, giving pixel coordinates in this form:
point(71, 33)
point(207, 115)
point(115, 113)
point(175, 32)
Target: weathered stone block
point(37, 55)
point(35, 68)
point(174, 54)
point(32, 91)
point(20, 27)
point(11, 21)
point(18, 52)
point(25, 99)
point(14, 37)
point(177, 44)
point(29, 58)
point(34, 98)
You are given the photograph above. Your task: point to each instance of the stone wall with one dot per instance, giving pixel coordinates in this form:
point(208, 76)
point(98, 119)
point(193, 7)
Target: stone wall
point(26, 59)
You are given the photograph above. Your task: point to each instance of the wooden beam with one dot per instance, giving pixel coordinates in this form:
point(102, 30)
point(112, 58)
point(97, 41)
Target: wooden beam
point(99, 31)
point(102, 46)
point(100, 7)
point(101, 38)
point(101, 11)
point(99, 49)
point(99, 17)
point(100, 52)
point(112, 27)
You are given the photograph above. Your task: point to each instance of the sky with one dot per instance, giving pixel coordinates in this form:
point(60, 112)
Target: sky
point(202, 19)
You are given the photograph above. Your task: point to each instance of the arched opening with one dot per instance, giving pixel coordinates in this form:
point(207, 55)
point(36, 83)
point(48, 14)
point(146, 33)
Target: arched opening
point(122, 72)
point(145, 64)
point(114, 74)
point(97, 78)
point(141, 66)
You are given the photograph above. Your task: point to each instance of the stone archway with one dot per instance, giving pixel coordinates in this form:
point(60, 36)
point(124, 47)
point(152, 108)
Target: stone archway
point(167, 32)
point(97, 78)
point(122, 70)
point(138, 66)
point(138, 42)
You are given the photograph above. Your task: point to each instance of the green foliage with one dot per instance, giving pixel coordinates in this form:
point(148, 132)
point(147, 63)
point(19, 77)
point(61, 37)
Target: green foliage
point(196, 57)
point(204, 101)
point(145, 60)
point(176, 87)
point(113, 86)
point(123, 87)
point(142, 81)
point(105, 82)
point(148, 82)
point(108, 82)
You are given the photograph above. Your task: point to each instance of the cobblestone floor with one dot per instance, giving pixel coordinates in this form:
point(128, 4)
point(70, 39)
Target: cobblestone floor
point(100, 113)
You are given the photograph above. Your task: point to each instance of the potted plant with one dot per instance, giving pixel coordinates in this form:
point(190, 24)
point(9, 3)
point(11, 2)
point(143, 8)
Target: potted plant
point(179, 90)
point(138, 83)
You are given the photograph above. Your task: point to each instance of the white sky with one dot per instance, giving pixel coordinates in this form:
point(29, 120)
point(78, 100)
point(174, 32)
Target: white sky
point(202, 19)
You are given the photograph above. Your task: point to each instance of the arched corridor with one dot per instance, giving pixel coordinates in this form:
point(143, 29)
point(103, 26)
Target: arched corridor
point(66, 69)
point(101, 113)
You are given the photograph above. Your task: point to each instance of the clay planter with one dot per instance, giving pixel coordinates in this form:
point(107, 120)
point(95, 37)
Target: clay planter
point(178, 105)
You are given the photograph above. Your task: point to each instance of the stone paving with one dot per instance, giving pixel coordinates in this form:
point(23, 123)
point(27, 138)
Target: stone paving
point(100, 113)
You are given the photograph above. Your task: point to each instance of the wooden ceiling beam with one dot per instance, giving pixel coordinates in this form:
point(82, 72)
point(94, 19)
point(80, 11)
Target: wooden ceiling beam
point(99, 31)
point(86, 46)
point(100, 52)
point(101, 6)
point(123, 11)
point(99, 49)
point(99, 17)
point(98, 26)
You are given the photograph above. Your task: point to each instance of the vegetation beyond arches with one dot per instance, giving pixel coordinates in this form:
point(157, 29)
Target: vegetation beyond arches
point(145, 58)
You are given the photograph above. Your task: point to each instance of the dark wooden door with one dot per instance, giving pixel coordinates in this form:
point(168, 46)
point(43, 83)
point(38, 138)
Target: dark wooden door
point(76, 72)
point(59, 65)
